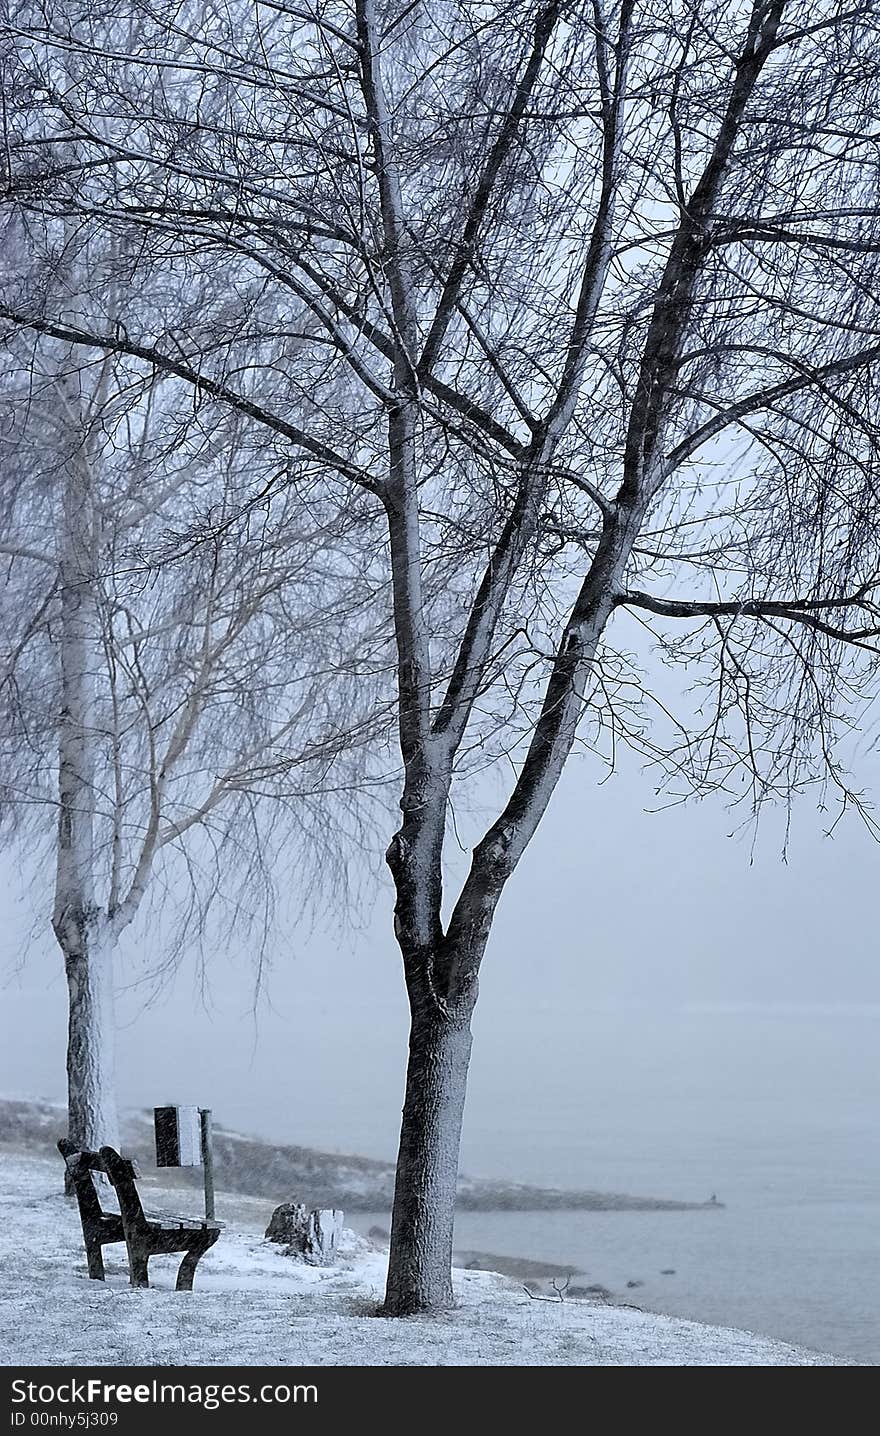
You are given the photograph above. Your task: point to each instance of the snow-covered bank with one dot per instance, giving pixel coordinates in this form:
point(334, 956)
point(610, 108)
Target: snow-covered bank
point(253, 1306)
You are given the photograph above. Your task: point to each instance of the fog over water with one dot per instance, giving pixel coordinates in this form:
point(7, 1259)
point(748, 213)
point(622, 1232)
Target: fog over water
point(615, 919)
point(664, 1010)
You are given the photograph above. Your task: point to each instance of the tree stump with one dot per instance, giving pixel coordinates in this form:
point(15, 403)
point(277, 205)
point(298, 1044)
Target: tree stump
point(310, 1235)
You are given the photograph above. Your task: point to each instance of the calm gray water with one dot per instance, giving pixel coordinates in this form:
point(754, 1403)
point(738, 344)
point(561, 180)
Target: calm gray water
point(786, 1270)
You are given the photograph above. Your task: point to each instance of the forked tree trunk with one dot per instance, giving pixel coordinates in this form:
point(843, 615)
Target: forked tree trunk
point(420, 1263)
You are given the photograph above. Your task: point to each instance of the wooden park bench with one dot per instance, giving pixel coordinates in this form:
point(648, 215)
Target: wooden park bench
point(145, 1234)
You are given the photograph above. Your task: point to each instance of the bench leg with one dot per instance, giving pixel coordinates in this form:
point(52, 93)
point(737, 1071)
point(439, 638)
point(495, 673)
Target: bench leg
point(190, 1262)
point(137, 1267)
point(95, 1261)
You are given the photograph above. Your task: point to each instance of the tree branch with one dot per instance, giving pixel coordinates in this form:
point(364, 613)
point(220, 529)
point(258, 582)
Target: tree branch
point(116, 344)
point(808, 377)
point(464, 251)
point(798, 610)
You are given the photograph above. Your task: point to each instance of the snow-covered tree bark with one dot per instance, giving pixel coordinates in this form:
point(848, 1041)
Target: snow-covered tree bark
point(420, 1265)
point(80, 925)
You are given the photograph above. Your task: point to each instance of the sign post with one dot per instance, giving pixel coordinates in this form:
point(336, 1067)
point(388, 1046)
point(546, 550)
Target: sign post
point(208, 1161)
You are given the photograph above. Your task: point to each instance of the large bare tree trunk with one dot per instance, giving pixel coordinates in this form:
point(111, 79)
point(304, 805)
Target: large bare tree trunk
point(420, 1264)
point(79, 925)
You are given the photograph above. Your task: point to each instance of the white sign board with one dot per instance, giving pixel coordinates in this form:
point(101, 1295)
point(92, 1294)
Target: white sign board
point(178, 1137)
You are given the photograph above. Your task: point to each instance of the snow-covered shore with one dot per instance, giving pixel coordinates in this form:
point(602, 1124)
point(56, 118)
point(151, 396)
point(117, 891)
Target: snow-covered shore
point(254, 1306)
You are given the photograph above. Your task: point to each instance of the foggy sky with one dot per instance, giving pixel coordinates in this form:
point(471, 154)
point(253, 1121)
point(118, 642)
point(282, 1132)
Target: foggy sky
point(619, 929)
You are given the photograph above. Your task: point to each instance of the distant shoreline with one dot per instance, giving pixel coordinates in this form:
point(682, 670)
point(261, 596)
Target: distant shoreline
point(476, 1195)
point(283, 1172)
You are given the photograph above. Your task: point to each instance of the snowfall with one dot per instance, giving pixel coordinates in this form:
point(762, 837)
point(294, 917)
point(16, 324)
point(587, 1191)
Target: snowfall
point(255, 1306)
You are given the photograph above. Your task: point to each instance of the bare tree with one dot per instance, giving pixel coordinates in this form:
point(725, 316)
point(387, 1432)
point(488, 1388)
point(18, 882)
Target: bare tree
point(178, 683)
point(602, 281)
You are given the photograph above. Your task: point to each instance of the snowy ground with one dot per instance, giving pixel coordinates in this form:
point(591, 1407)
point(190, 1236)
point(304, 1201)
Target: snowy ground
point(254, 1306)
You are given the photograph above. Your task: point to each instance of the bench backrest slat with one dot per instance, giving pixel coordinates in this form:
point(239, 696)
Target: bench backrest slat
point(81, 1165)
point(121, 1173)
